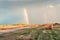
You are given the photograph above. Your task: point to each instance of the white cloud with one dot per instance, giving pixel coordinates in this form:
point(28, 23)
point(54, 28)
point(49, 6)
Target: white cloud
point(50, 6)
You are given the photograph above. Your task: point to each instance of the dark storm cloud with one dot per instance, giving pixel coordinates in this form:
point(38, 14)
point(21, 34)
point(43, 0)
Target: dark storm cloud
point(7, 3)
point(13, 3)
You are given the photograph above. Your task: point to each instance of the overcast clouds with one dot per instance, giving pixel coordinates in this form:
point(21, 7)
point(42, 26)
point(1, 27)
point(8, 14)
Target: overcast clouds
point(40, 11)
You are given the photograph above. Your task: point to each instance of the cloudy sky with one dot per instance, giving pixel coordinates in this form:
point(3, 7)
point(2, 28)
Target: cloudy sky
point(39, 11)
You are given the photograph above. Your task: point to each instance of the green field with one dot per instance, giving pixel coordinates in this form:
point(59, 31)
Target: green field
point(33, 34)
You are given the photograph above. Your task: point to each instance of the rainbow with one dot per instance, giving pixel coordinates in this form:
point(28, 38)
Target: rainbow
point(26, 15)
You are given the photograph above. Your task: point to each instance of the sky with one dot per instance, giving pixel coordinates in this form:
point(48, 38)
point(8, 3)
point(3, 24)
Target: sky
point(39, 11)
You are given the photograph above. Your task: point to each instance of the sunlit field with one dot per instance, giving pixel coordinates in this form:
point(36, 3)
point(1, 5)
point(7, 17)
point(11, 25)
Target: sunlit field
point(39, 33)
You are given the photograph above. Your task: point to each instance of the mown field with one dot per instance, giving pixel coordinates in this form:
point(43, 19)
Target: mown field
point(33, 34)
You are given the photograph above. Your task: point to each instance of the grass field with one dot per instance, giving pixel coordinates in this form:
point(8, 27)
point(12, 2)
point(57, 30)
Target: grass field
point(33, 34)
